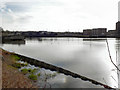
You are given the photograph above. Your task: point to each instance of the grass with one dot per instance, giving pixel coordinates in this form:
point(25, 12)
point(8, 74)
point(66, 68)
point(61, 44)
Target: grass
point(15, 57)
point(24, 71)
point(19, 65)
point(32, 77)
point(38, 74)
point(32, 70)
point(25, 64)
point(12, 67)
point(16, 65)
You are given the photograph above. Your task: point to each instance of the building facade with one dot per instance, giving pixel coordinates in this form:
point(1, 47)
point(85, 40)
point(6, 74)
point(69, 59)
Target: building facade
point(95, 32)
point(118, 28)
point(87, 32)
point(99, 31)
point(111, 33)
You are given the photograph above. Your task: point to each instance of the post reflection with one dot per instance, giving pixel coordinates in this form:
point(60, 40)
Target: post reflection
point(19, 42)
point(118, 59)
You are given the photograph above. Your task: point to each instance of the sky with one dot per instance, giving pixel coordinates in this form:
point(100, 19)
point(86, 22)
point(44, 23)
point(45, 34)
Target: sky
point(119, 11)
point(58, 15)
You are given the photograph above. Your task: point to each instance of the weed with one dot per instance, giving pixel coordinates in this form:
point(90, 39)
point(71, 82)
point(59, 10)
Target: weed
point(19, 65)
point(15, 57)
point(25, 64)
point(38, 74)
point(32, 77)
point(24, 71)
point(32, 70)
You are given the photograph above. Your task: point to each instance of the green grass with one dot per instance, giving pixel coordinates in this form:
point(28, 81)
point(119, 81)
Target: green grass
point(25, 64)
point(32, 77)
point(38, 74)
point(19, 65)
point(16, 57)
point(24, 71)
point(32, 70)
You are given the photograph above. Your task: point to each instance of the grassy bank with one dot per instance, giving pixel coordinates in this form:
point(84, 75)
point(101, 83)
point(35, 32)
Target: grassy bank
point(11, 77)
point(17, 73)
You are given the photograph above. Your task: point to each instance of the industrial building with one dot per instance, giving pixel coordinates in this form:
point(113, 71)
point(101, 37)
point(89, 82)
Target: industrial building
point(99, 31)
point(111, 33)
point(87, 32)
point(95, 32)
point(118, 29)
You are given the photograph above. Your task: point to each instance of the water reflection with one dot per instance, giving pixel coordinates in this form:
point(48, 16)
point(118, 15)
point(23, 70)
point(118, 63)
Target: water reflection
point(94, 39)
point(87, 57)
point(17, 42)
point(118, 58)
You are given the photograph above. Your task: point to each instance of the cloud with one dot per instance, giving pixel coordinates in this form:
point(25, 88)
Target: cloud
point(58, 14)
point(15, 6)
point(15, 12)
point(2, 7)
point(24, 19)
point(119, 11)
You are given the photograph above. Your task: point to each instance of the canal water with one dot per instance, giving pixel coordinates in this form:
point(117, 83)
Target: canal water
point(85, 56)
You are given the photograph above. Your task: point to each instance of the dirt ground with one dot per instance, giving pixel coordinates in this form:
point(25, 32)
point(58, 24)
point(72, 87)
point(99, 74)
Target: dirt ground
point(0, 73)
point(0, 69)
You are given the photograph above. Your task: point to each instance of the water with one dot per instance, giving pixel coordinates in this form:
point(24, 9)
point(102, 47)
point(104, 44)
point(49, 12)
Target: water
point(87, 57)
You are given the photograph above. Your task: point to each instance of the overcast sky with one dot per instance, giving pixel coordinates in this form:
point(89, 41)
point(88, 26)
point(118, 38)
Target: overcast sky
point(58, 15)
